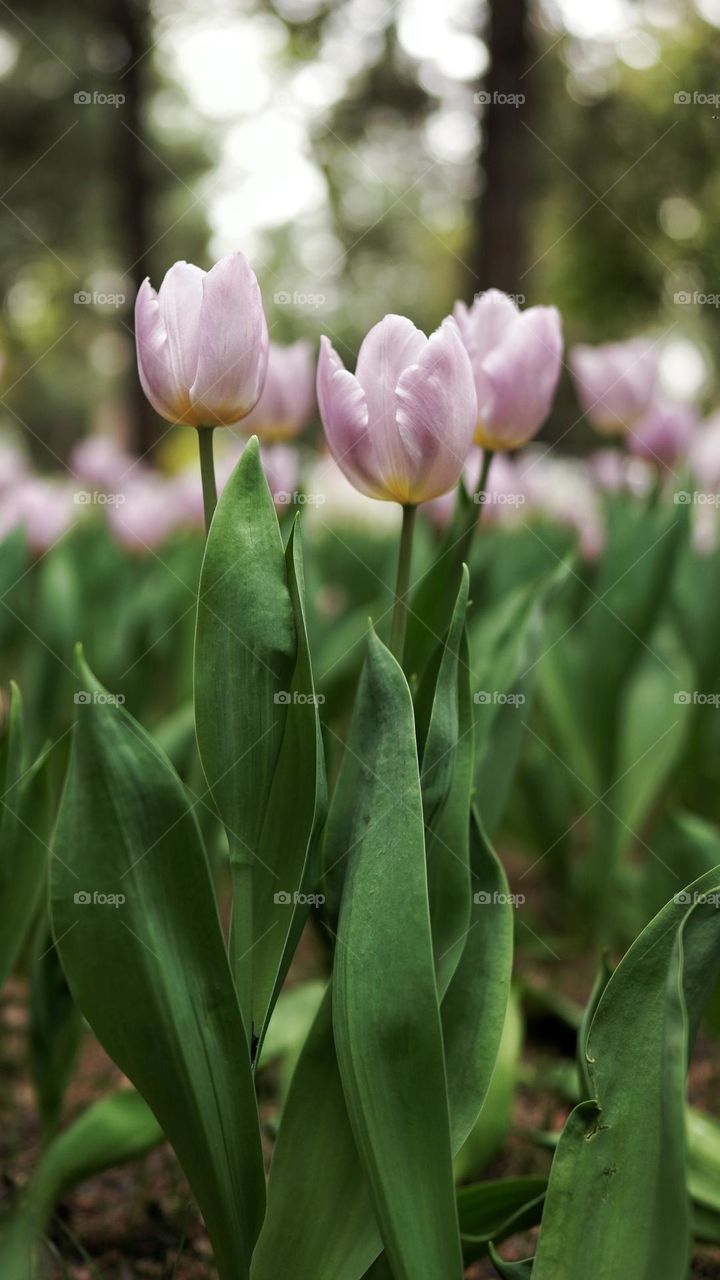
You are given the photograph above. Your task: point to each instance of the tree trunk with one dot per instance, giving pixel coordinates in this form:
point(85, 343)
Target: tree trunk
point(498, 255)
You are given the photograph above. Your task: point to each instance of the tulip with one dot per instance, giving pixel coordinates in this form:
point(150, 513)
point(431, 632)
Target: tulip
point(43, 507)
point(615, 382)
point(202, 342)
point(705, 455)
point(516, 358)
point(288, 397)
point(145, 513)
point(100, 461)
point(664, 433)
point(401, 426)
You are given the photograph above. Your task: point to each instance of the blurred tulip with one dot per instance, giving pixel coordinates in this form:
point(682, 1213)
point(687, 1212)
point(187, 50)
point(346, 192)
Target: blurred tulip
point(705, 455)
point(663, 434)
point(13, 465)
point(401, 426)
point(45, 508)
point(561, 490)
point(202, 342)
point(288, 397)
point(615, 382)
point(99, 461)
point(145, 513)
point(503, 497)
point(516, 358)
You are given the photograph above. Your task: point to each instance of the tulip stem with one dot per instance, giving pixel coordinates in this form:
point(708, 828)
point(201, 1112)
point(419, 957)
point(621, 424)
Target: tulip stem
point(488, 456)
point(402, 583)
point(207, 473)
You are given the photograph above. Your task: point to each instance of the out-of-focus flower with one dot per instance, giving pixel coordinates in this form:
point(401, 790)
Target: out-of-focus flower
point(202, 342)
point(281, 468)
point(664, 434)
point(288, 397)
point(516, 358)
point(13, 465)
point(146, 512)
point(281, 465)
point(504, 496)
point(99, 461)
point(43, 506)
point(333, 500)
point(560, 489)
point(705, 455)
point(615, 382)
point(401, 426)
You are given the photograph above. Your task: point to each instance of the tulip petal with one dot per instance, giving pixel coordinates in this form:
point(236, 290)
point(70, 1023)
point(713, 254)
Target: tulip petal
point(180, 298)
point(233, 343)
point(344, 412)
point(483, 325)
point(288, 397)
point(154, 366)
point(436, 414)
point(522, 374)
point(386, 352)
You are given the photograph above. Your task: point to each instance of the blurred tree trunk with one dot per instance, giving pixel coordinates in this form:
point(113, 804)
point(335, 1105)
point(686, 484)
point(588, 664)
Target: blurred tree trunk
point(498, 254)
point(132, 22)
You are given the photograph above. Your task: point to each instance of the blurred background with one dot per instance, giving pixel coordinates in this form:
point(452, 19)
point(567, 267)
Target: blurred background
point(368, 157)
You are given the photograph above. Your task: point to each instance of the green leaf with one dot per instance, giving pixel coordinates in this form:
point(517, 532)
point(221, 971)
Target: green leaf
point(245, 656)
point(116, 1129)
point(432, 601)
point(494, 1211)
point(56, 1027)
point(621, 1160)
point(511, 1270)
point(24, 834)
point(474, 1008)
point(147, 964)
point(445, 741)
point(495, 1117)
point(390, 1050)
point(319, 1219)
point(295, 812)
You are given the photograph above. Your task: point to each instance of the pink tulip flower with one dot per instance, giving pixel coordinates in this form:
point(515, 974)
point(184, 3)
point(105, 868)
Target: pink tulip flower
point(145, 513)
point(516, 358)
point(288, 397)
point(44, 507)
point(202, 342)
point(100, 462)
point(615, 382)
point(705, 455)
point(663, 434)
point(401, 426)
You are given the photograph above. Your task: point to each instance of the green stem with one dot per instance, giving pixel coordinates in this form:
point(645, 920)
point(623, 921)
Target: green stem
point(466, 541)
point(399, 618)
point(207, 473)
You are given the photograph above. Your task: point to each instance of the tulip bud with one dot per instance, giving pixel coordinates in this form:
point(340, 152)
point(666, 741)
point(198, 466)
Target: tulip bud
point(615, 382)
point(288, 397)
point(516, 358)
point(401, 426)
point(202, 342)
point(664, 433)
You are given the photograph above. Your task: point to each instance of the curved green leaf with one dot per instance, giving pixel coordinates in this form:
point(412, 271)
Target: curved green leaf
point(390, 1050)
point(137, 927)
point(622, 1161)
